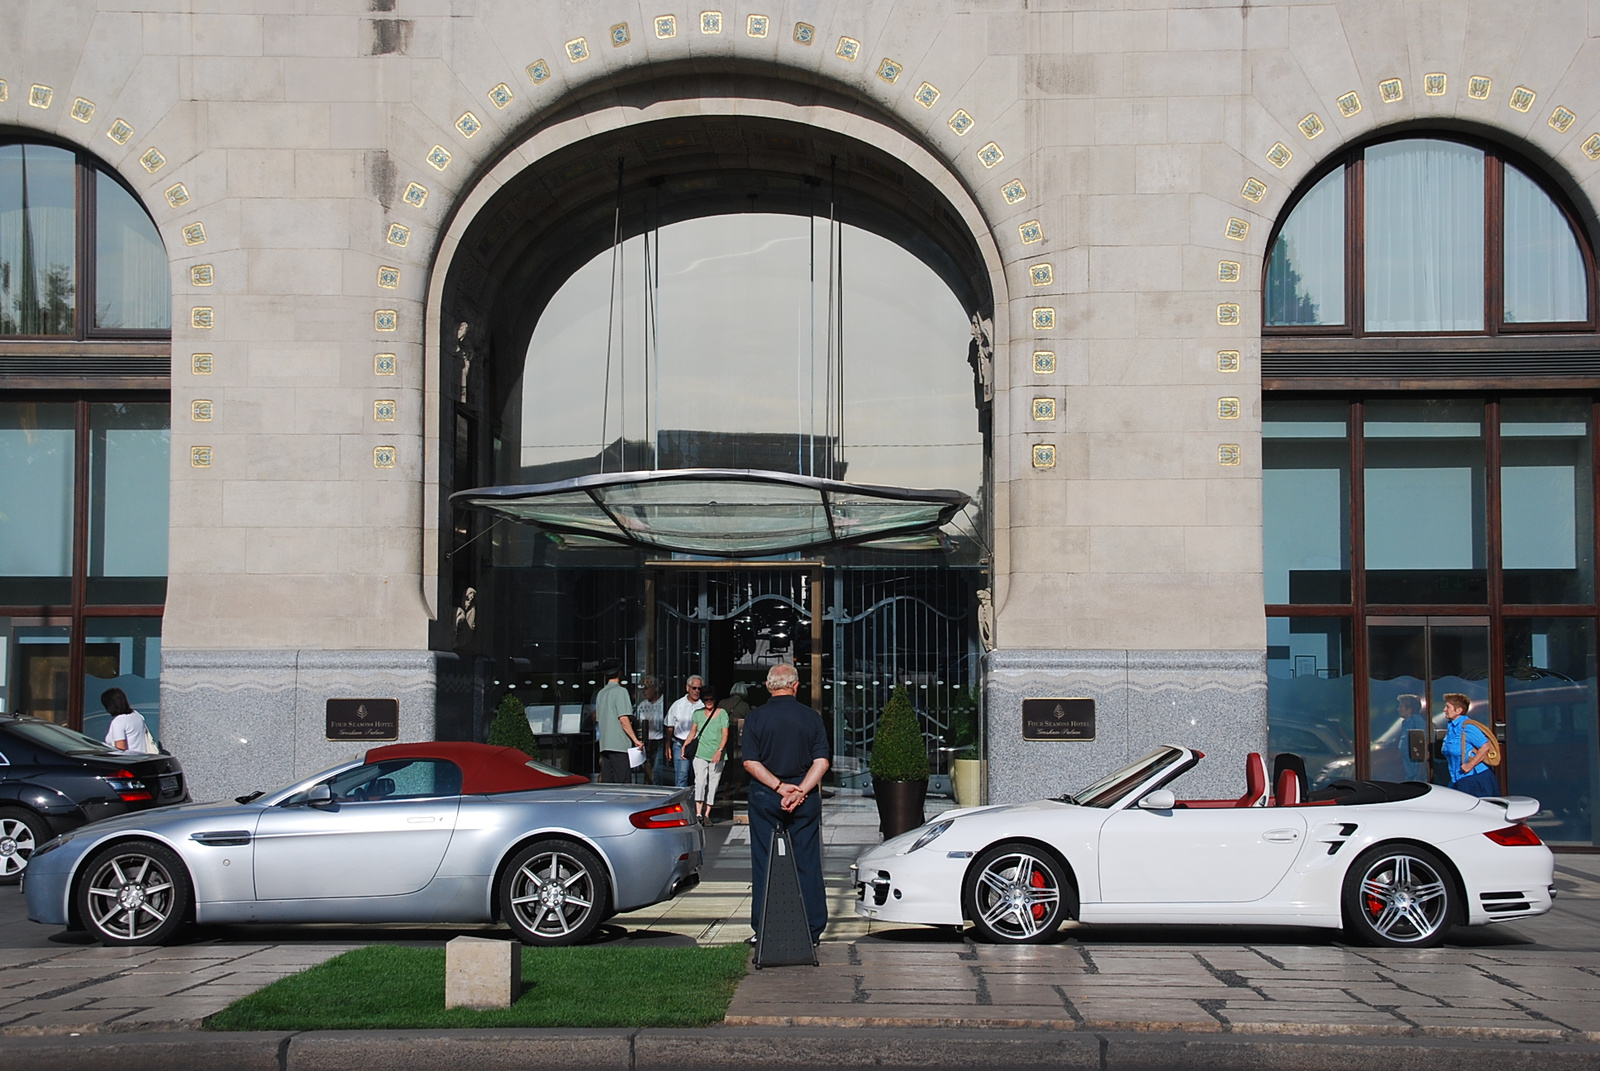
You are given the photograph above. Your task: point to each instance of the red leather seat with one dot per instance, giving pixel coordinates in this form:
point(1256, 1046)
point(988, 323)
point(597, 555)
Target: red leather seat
point(1288, 794)
point(1255, 782)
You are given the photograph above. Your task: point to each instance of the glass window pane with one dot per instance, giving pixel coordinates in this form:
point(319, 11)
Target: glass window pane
point(38, 217)
point(36, 670)
point(1424, 236)
point(1305, 277)
point(1311, 696)
point(1424, 502)
point(36, 465)
point(1550, 724)
point(1545, 280)
point(1305, 492)
point(123, 653)
point(1546, 501)
point(131, 287)
point(1397, 701)
point(129, 445)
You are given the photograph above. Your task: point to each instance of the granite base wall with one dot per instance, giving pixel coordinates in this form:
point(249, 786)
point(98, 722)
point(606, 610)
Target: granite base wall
point(1212, 700)
point(241, 720)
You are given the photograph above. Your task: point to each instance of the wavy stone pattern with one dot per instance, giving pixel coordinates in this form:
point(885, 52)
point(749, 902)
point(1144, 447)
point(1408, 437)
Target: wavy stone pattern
point(1213, 700)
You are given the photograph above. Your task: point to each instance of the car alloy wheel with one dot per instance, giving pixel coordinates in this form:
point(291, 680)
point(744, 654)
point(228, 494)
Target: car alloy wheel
point(1016, 894)
point(20, 834)
point(133, 893)
point(554, 893)
point(1399, 897)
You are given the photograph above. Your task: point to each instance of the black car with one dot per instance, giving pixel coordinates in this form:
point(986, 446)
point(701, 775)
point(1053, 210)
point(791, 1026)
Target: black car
point(53, 779)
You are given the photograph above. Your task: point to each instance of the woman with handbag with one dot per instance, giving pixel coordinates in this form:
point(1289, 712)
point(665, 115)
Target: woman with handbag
point(705, 744)
point(1469, 750)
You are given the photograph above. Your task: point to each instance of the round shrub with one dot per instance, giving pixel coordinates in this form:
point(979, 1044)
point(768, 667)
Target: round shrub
point(898, 750)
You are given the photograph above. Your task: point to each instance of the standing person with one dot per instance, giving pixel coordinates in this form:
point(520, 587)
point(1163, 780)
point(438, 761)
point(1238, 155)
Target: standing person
point(613, 715)
point(786, 755)
point(711, 730)
point(680, 722)
point(1465, 745)
point(128, 731)
point(647, 716)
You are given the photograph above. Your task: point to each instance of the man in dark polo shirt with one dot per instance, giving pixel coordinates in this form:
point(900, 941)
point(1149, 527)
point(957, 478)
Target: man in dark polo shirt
point(786, 756)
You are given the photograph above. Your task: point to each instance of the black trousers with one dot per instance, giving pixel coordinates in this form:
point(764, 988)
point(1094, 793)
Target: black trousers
point(614, 768)
point(805, 832)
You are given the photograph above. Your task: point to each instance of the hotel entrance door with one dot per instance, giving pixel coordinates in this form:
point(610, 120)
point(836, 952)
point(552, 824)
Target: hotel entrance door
point(1412, 663)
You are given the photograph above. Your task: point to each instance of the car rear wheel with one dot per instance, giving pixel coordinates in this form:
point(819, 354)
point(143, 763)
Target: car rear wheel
point(1017, 894)
point(1398, 896)
point(554, 892)
point(133, 893)
point(20, 833)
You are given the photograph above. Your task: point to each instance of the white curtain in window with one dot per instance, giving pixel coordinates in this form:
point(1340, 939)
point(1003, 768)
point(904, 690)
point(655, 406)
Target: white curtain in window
point(1544, 271)
point(1305, 280)
point(1424, 236)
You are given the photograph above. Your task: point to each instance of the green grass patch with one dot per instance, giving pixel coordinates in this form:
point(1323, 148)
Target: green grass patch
point(391, 987)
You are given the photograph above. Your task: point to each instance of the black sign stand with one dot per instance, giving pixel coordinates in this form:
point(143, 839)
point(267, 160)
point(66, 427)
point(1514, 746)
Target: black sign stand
point(784, 937)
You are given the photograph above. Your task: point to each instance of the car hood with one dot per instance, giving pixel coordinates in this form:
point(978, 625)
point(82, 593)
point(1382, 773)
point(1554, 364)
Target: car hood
point(239, 816)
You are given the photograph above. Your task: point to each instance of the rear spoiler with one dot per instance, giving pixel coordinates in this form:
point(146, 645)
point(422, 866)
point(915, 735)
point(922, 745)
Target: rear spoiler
point(1517, 807)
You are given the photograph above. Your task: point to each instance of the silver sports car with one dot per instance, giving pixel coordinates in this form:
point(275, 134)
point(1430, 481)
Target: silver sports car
point(436, 832)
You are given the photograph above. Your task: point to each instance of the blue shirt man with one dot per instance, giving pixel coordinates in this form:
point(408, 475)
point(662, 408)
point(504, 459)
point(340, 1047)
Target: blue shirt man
point(1465, 746)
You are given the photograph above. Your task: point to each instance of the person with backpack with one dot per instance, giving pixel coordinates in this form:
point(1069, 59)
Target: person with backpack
point(128, 730)
point(1469, 750)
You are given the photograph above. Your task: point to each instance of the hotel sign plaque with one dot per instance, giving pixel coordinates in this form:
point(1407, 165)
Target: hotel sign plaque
point(1058, 719)
point(363, 719)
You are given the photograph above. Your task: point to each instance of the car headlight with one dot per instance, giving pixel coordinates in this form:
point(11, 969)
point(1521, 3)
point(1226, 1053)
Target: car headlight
point(932, 833)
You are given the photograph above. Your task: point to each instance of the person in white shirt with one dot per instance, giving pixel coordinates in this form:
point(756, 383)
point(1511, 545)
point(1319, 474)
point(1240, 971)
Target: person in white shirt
point(680, 723)
point(647, 723)
point(128, 731)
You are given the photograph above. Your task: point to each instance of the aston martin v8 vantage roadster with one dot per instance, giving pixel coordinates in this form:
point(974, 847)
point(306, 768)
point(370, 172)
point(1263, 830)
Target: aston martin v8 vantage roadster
point(437, 832)
point(1392, 863)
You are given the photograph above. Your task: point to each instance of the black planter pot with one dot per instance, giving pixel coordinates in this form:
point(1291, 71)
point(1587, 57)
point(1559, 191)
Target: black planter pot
point(899, 805)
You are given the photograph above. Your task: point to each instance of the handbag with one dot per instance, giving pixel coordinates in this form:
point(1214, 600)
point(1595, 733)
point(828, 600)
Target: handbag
point(690, 748)
point(1493, 756)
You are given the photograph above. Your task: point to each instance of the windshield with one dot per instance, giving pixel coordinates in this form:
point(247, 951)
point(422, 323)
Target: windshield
point(1112, 787)
point(60, 739)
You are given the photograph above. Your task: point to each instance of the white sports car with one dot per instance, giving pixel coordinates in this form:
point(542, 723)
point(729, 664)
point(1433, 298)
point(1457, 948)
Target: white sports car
point(1392, 863)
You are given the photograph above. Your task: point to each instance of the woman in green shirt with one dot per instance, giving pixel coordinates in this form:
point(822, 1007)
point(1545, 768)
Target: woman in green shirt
point(710, 734)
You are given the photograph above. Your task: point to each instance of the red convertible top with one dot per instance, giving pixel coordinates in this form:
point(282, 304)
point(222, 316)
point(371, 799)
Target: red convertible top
point(485, 768)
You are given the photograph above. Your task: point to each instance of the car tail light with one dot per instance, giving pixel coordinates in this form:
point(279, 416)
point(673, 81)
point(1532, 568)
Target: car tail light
point(130, 788)
point(660, 817)
point(1517, 836)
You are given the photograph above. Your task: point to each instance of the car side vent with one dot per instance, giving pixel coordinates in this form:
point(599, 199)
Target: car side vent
point(1337, 838)
point(1496, 902)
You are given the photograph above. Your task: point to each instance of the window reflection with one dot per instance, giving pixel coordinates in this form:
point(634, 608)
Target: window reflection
point(36, 469)
point(1546, 501)
point(1551, 722)
point(38, 198)
point(131, 286)
point(1305, 277)
point(1305, 490)
point(1545, 280)
point(129, 444)
point(1424, 236)
point(124, 654)
point(1310, 695)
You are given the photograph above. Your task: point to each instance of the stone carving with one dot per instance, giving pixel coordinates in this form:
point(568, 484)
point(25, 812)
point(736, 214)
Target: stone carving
point(986, 618)
point(980, 355)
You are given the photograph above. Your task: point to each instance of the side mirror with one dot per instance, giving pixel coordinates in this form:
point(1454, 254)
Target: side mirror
point(322, 796)
point(1161, 799)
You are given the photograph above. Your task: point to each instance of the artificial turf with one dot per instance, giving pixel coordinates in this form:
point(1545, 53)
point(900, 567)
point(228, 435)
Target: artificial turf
point(394, 987)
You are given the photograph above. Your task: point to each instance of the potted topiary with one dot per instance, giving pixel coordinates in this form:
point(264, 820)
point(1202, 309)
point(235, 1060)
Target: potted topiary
point(899, 766)
point(511, 728)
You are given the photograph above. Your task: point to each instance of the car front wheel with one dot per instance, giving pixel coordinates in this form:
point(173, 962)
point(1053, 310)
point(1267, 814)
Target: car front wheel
point(133, 893)
point(554, 892)
point(1398, 896)
point(1017, 894)
point(20, 833)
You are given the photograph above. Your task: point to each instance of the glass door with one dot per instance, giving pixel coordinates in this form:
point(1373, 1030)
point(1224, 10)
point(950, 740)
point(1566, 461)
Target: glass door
point(1412, 663)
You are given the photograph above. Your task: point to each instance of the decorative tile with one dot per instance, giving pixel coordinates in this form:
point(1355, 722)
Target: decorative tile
point(1561, 120)
point(201, 364)
point(990, 155)
point(1591, 148)
point(1478, 87)
point(383, 364)
point(1041, 275)
point(961, 122)
point(119, 131)
point(388, 277)
point(1311, 126)
point(1228, 314)
point(619, 34)
point(666, 26)
point(1227, 360)
point(1227, 271)
point(1031, 232)
point(200, 457)
point(152, 160)
point(757, 26)
point(501, 95)
point(439, 158)
point(1349, 104)
point(1014, 191)
point(5, 91)
point(383, 457)
point(1044, 409)
point(468, 124)
point(177, 195)
point(927, 95)
point(710, 22)
point(577, 50)
point(1390, 91)
point(1522, 99)
point(1253, 190)
point(848, 49)
point(1229, 454)
point(1044, 455)
point(83, 110)
point(1237, 229)
point(889, 70)
point(1279, 155)
point(203, 317)
point(1044, 319)
point(194, 234)
point(384, 409)
point(804, 33)
point(398, 234)
point(1227, 409)
point(1044, 362)
point(1435, 84)
point(202, 275)
point(539, 72)
point(385, 320)
point(40, 96)
point(416, 195)
point(200, 409)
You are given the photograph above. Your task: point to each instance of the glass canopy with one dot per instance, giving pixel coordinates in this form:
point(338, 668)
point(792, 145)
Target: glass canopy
point(734, 513)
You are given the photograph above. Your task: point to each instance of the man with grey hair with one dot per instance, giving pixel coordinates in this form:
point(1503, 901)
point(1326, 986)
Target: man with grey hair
point(786, 755)
point(680, 723)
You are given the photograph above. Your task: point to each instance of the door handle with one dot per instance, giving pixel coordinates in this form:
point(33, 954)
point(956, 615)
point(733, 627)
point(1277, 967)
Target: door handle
point(1281, 835)
point(421, 821)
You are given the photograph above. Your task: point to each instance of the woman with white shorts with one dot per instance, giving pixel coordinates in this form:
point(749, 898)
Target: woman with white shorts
point(710, 734)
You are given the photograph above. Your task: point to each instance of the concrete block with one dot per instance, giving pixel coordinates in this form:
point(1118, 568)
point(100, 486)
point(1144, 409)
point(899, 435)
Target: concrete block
point(482, 973)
